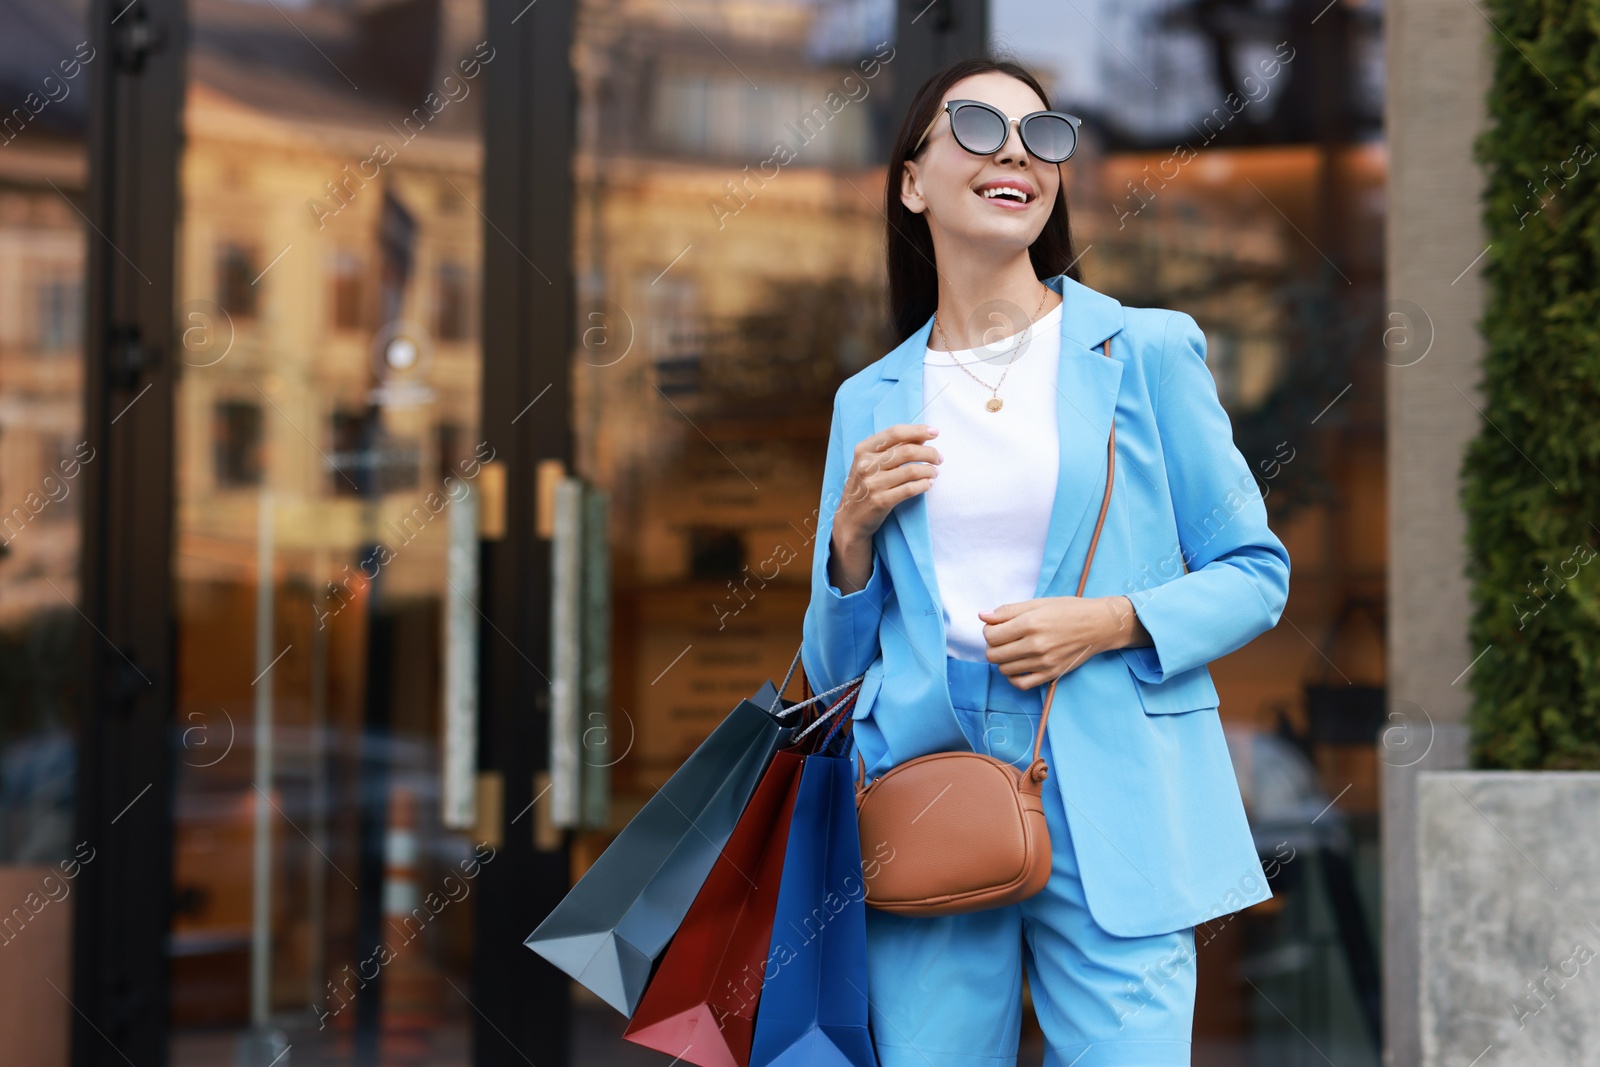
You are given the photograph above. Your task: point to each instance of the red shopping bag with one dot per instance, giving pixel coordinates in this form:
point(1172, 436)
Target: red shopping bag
point(700, 1004)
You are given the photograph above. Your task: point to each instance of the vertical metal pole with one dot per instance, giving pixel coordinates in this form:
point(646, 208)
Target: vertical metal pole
point(596, 698)
point(459, 681)
point(317, 873)
point(566, 655)
point(261, 852)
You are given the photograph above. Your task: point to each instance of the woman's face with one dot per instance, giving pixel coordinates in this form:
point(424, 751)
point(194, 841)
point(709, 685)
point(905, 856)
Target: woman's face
point(945, 182)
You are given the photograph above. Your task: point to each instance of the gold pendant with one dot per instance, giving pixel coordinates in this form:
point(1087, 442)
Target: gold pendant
point(995, 403)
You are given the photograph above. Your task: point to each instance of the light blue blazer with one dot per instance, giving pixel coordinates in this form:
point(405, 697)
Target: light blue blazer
point(1140, 757)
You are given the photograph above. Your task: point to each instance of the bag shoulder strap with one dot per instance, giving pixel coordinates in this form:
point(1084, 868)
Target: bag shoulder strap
point(1083, 579)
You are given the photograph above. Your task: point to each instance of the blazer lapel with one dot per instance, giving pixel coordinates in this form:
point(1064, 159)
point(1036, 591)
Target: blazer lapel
point(904, 403)
point(1087, 384)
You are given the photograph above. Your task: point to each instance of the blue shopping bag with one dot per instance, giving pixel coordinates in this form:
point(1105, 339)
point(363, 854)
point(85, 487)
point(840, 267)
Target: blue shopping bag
point(813, 1007)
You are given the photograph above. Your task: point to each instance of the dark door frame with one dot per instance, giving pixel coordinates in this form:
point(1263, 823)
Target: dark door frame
point(124, 777)
point(523, 1003)
point(930, 35)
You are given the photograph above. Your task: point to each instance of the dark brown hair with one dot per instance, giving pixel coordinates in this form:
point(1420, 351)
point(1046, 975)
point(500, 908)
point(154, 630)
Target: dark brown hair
point(913, 282)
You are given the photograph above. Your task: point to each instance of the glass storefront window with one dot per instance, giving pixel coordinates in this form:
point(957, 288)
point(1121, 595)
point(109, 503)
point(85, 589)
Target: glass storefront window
point(44, 62)
point(729, 260)
point(326, 461)
point(1233, 167)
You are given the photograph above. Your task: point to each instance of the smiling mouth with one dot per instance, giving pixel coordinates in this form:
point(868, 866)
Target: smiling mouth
point(1005, 193)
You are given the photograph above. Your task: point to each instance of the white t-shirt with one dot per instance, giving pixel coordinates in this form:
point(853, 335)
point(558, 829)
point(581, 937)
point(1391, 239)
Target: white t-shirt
point(989, 508)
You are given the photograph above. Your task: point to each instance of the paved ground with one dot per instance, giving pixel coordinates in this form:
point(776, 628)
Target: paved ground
point(597, 1042)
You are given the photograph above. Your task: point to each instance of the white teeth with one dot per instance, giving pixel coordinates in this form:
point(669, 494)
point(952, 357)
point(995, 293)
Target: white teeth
point(1006, 191)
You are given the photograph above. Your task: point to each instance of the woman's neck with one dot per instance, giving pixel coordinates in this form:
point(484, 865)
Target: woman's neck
point(978, 302)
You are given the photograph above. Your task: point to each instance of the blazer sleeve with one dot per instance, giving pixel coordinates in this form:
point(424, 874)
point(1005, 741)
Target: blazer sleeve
point(1238, 570)
point(840, 632)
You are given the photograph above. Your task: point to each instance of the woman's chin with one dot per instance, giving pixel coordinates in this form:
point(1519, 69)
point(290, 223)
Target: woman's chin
point(991, 233)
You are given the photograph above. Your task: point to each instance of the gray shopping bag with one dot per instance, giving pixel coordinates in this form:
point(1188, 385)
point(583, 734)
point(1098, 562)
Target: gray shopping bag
point(610, 928)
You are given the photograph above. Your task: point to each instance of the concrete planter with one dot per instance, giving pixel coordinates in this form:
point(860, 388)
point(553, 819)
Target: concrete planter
point(1508, 866)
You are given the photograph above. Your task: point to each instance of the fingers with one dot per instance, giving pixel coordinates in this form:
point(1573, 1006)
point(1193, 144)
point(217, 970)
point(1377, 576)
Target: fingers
point(874, 462)
point(888, 467)
point(1026, 673)
point(1007, 623)
point(889, 459)
point(868, 459)
point(913, 478)
point(908, 433)
point(908, 453)
point(884, 464)
point(885, 488)
point(902, 484)
point(1026, 677)
point(909, 481)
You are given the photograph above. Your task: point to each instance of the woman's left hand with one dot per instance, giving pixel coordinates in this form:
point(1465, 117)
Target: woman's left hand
point(1035, 641)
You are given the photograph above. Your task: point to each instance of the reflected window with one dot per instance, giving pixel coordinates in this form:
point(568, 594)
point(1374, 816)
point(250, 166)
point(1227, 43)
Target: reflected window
point(715, 552)
point(350, 437)
point(66, 458)
point(677, 333)
point(455, 305)
point(399, 464)
point(368, 459)
point(235, 273)
point(347, 290)
point(450, 444)
point(60, 316)
point(821, 122)
point(238, 444)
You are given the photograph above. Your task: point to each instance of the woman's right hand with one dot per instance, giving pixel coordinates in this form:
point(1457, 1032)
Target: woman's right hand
point(890, 466)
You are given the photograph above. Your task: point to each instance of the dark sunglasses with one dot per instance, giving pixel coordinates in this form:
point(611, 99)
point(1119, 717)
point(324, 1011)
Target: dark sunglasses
point(982, 128)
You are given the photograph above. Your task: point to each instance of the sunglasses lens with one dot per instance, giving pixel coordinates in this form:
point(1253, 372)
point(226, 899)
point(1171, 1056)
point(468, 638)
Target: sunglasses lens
point(1050, 137)
point(978, 129)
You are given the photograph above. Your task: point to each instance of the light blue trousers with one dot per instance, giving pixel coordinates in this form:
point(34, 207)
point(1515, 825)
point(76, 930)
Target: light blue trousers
point(946, 991)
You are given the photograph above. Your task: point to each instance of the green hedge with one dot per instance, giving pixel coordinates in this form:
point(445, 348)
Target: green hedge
point(1531, 477)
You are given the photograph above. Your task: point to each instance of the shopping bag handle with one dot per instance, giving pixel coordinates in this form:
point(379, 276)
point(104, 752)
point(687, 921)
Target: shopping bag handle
point(842, 721)
point(791, 709)
point(844, 703)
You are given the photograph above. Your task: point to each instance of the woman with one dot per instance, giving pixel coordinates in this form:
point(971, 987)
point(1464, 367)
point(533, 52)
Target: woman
point(962, 487)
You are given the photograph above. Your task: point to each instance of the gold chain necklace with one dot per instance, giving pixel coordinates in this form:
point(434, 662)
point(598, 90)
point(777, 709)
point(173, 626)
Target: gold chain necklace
point(994, 403)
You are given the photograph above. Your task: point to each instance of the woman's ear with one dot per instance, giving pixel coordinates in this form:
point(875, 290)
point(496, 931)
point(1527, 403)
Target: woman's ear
point(910, 194)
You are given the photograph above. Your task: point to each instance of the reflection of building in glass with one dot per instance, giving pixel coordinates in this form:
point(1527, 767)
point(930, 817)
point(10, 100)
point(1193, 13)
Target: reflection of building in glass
point(1247, 190)
point(327, 287)
point(45, 65)
point(41, 372)
point(1242, 191)
point(729, 254)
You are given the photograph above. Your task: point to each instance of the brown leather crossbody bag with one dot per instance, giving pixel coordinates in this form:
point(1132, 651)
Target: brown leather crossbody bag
point(965, 830)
